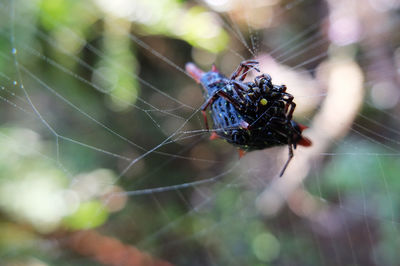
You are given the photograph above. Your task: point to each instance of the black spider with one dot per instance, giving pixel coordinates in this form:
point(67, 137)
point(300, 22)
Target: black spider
point(251, 115)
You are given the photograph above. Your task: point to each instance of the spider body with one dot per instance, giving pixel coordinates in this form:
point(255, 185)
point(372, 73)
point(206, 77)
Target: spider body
point(251, 115)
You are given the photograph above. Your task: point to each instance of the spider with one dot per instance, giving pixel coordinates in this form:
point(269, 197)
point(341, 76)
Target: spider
point(251, 115)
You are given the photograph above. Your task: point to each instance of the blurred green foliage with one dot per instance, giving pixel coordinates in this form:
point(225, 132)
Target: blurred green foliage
point(89, 215)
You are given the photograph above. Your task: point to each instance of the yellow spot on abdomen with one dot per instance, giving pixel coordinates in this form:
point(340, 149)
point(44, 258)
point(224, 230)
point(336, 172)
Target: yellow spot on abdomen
point(263, 101)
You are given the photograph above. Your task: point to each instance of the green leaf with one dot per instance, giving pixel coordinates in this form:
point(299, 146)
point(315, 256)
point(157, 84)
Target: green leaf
point(90, 214)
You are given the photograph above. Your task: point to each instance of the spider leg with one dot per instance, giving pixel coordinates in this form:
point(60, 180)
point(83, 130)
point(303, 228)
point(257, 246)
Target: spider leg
point(211, 100)
point(244, 92)
point(291, 110)
point(289, 159)
point(244, 67)
point(237, 91)
point(277, 120)
point(290, 105)
point(220, 93)
point(240, 85)
point(290, 145)
point(258, 79)
point(203, 112)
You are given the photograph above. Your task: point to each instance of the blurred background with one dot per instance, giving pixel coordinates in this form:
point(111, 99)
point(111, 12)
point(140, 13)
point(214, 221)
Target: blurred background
point(105, 160)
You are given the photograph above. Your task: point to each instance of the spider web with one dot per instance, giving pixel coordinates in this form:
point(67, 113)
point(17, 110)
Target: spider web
point(104, 150)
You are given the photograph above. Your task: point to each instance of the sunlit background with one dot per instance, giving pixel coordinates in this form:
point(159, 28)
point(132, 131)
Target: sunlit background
point(105, 160)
